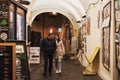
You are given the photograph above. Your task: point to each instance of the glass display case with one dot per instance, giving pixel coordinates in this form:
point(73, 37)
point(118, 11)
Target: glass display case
point(12, 20)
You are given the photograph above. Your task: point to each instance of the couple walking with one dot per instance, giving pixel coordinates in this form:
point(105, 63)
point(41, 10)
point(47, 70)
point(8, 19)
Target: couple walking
point(52, 46)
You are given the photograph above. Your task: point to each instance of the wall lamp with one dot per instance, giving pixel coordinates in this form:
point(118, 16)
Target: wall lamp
point(78, 21)
point(84, 16)
point(25, 2)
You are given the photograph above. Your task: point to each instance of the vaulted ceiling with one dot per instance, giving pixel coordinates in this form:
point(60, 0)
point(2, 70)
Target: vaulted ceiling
point(72, 9)
point(77, 8)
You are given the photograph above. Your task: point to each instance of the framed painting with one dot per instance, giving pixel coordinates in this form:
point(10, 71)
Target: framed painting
point(117, 4)
point(117, 26)
point(117, 51)
point(88, 25)
point(106, 35)
point(117, 15)
point(106, 47)
point(117, 37)
point(106, 15)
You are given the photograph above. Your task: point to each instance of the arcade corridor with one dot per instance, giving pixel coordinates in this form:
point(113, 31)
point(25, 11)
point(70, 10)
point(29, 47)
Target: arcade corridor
point(71, 71)
point(89, 30)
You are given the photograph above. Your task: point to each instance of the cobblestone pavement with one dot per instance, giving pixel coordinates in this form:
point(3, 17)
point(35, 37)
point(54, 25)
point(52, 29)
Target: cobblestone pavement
point(70, 71)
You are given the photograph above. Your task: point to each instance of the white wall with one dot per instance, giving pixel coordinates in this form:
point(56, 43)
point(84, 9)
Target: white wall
point(95, 39)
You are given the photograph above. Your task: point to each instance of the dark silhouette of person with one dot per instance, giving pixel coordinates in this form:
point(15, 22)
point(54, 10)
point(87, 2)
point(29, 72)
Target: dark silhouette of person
point(48, 46)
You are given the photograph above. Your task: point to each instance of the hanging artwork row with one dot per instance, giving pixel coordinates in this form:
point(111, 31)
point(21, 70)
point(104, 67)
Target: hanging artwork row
point(83, 30)
point(117, 33)
point(106, 35)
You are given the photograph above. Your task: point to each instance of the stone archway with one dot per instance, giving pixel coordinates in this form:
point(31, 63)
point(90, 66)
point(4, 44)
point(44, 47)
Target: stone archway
point(67, 14)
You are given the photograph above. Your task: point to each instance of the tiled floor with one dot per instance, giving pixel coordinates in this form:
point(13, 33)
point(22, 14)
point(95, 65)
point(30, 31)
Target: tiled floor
point(70, 71)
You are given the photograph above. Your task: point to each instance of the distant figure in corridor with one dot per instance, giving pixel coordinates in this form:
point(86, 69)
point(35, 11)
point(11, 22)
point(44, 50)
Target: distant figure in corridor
point(48, 47)
point(60, 51)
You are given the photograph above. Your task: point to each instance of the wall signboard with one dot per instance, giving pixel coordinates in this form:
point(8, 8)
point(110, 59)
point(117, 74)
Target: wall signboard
point(4, 17)
point(22, 68)
point(34, 55)
point(7, 61)
point(74, 45)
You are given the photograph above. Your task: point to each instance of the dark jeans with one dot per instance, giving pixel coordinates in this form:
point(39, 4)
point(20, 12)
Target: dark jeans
point(48, 58)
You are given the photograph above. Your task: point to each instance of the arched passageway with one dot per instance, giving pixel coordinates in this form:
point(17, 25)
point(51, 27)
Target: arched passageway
point(73, 13)
point(58, 23)
point(41, 26)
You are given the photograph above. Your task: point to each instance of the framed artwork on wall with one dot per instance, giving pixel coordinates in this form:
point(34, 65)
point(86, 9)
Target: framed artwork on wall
point(98, 19)
point(80, 39)
point(106, 15)
point(117, 15)
point(84, 33)
point(106, 35)
point(106, 47)
point(117, 37)
point(117, 26)
point(88, 25)
point(117, 4)
point(117, 33)
point(117, 49)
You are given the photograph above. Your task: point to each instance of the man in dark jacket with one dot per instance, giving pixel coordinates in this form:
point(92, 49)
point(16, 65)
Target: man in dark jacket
point(48, 46)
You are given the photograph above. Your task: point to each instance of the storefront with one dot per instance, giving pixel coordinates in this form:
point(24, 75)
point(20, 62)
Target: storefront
point(13, 31)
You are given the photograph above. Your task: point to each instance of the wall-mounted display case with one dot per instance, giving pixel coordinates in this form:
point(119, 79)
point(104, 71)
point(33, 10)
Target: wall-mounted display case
point(12, 20)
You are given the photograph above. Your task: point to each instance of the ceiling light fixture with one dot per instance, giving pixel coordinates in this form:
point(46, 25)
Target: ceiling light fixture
point(54, 13)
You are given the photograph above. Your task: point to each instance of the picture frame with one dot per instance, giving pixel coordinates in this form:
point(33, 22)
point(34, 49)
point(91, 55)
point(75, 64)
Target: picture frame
point(107, 15)
point(117, 37)
point(84, 33)
point(116, 4)
point(80, 38)
point(106, 35)
point(106, 47)
point(117, 26)
point(117, 51)
point(117, 15)
point(88, 25)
